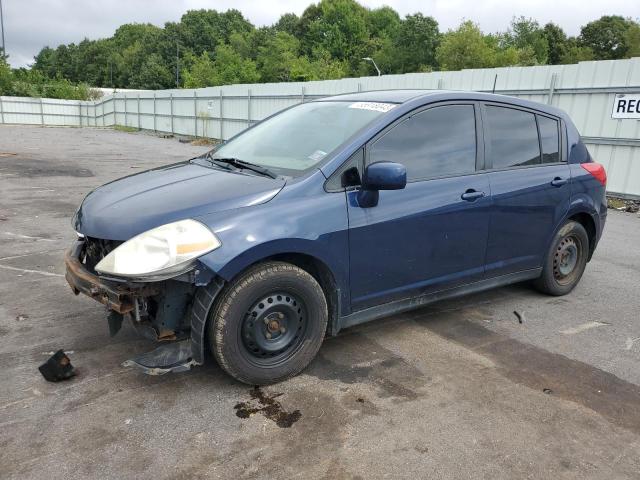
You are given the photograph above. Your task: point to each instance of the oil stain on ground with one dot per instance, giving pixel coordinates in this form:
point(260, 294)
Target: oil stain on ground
point(554, 374)
point(268, 406)
point(352, 358)
point(32, 168)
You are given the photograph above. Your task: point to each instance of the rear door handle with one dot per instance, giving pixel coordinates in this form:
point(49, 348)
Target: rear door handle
point(471, 195)
point(559, 181)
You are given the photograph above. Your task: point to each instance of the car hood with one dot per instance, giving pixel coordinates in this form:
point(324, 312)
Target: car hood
point(131, 205)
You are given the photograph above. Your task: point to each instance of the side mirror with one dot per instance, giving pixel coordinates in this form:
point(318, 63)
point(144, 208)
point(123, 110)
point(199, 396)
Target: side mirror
point(385, 176)
point(380, 176)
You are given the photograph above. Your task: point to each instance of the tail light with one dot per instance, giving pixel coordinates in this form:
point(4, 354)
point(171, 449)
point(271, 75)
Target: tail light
point(597, 171)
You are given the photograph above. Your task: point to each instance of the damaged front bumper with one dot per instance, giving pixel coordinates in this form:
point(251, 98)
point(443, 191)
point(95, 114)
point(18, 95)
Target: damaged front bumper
point(119, 298)
point(128, 299)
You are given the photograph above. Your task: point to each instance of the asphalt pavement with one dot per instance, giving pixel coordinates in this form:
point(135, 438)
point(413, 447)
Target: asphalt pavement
point(458, 389)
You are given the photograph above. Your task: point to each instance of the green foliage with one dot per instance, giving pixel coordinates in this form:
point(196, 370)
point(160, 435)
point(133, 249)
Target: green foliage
point(230, 67)
point(287, 23)
point(338, 27)
point(557, 42)
point(201, 72)
point(329, 40)
point(33, 83)
point(527, 36)
point(416, 43)
point(6, 78)
point(607, 37)
point(632, 40)
point(125, 128)
point(151, 74)
point(465, 47)
point(278, 59)
point(575, 53)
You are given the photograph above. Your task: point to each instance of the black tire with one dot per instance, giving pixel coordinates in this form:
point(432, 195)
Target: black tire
point(565, 261)
point(268, 324)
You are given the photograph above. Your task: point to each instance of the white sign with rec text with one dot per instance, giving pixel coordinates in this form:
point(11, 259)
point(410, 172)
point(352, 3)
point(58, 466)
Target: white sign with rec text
point(626, 105)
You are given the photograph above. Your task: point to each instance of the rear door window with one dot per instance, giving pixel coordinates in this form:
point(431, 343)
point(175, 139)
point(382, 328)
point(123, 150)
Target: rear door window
point(436, 142)
point(549, 139)
point(512, 137)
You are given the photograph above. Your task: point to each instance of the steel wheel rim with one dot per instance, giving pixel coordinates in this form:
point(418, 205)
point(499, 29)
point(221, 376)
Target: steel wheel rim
point(565, 259)
point(273, 328)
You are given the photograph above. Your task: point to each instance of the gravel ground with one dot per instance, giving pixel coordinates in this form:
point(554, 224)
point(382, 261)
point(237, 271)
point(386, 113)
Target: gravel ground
point(459, 389)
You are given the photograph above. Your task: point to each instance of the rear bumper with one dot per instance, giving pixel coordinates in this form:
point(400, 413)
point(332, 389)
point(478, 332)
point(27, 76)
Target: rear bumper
point(120, 298)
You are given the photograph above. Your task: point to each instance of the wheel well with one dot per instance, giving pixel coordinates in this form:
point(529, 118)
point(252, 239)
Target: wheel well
point(322, 274)
point(589, 225)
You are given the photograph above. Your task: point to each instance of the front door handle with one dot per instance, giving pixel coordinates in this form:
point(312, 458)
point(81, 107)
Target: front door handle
point(559, 181)
point(471, 195)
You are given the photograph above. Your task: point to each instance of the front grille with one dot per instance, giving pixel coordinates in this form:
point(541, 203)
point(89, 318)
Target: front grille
point(95, 249)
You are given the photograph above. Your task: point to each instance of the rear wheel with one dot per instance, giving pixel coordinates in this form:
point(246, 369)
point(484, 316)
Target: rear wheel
point(268, 324)
point(566, 260)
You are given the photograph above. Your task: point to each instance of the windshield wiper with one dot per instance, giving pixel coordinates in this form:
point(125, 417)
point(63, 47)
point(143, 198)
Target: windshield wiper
point(241, 164)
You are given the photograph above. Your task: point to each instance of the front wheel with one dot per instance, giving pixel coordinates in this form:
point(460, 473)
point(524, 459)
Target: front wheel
point(565, 261)
point(268, 324)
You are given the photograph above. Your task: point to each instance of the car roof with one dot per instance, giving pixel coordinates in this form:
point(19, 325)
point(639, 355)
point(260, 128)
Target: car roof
point(426, 96)
point(386, 96)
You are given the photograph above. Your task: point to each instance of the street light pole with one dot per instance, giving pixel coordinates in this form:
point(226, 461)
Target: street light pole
point(4, 53)
point(369, 59)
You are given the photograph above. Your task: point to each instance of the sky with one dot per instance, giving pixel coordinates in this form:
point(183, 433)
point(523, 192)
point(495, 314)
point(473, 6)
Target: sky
point(33, 24)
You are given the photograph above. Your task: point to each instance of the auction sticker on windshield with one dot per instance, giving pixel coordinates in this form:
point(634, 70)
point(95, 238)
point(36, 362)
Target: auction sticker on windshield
point(375, 106)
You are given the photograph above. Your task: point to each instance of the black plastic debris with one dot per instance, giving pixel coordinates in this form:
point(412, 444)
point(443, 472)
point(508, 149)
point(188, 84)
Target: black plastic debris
point(57, 368)
point(519, 316)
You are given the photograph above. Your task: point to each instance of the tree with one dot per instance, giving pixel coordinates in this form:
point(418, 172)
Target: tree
point(6, 78)
point(203, 30)
point(277, 57)
point(288, 23)
point(152, 74)
point(328, 40)
point(632, 39)
point(201, 72)
point(323, 67)
point(383, 23)
point(575, 53)
point(230, 67)
point(416, 43)
point(338, 27)
point(525, 33)
point(465, 47)
point(606, 37)
point(557, 42)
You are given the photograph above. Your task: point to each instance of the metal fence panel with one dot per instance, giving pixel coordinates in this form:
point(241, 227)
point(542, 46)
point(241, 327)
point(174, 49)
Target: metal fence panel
point(585, 91)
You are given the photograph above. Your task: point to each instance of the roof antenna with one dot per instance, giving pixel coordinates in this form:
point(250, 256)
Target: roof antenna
point(494, 83)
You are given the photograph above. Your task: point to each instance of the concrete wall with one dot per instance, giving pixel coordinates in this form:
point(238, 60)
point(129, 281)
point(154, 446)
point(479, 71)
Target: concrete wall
point(585, 90)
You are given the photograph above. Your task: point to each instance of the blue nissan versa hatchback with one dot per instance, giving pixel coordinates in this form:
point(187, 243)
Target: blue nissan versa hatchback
point(333, 213)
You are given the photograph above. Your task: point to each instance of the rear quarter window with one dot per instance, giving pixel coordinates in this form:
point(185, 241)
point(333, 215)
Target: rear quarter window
point(549, 139)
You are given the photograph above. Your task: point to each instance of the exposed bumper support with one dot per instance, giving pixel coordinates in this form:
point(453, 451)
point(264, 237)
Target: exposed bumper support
point(176, 356)
point(119, 298)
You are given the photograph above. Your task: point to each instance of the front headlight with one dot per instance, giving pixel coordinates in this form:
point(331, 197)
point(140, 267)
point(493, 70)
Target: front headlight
point(168, 249)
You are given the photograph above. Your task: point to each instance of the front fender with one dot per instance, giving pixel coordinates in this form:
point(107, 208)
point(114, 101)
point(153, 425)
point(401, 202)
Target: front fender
point(312, 223)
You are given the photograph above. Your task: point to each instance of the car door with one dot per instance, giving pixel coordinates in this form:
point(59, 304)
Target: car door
point(432, 234)
point(530, 188)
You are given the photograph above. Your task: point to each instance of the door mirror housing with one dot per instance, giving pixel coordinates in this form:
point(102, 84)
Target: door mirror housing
point(385, 176)
point(380, 176)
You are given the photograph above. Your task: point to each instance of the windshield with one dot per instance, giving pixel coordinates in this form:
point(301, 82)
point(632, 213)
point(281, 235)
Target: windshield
point(297, 139)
